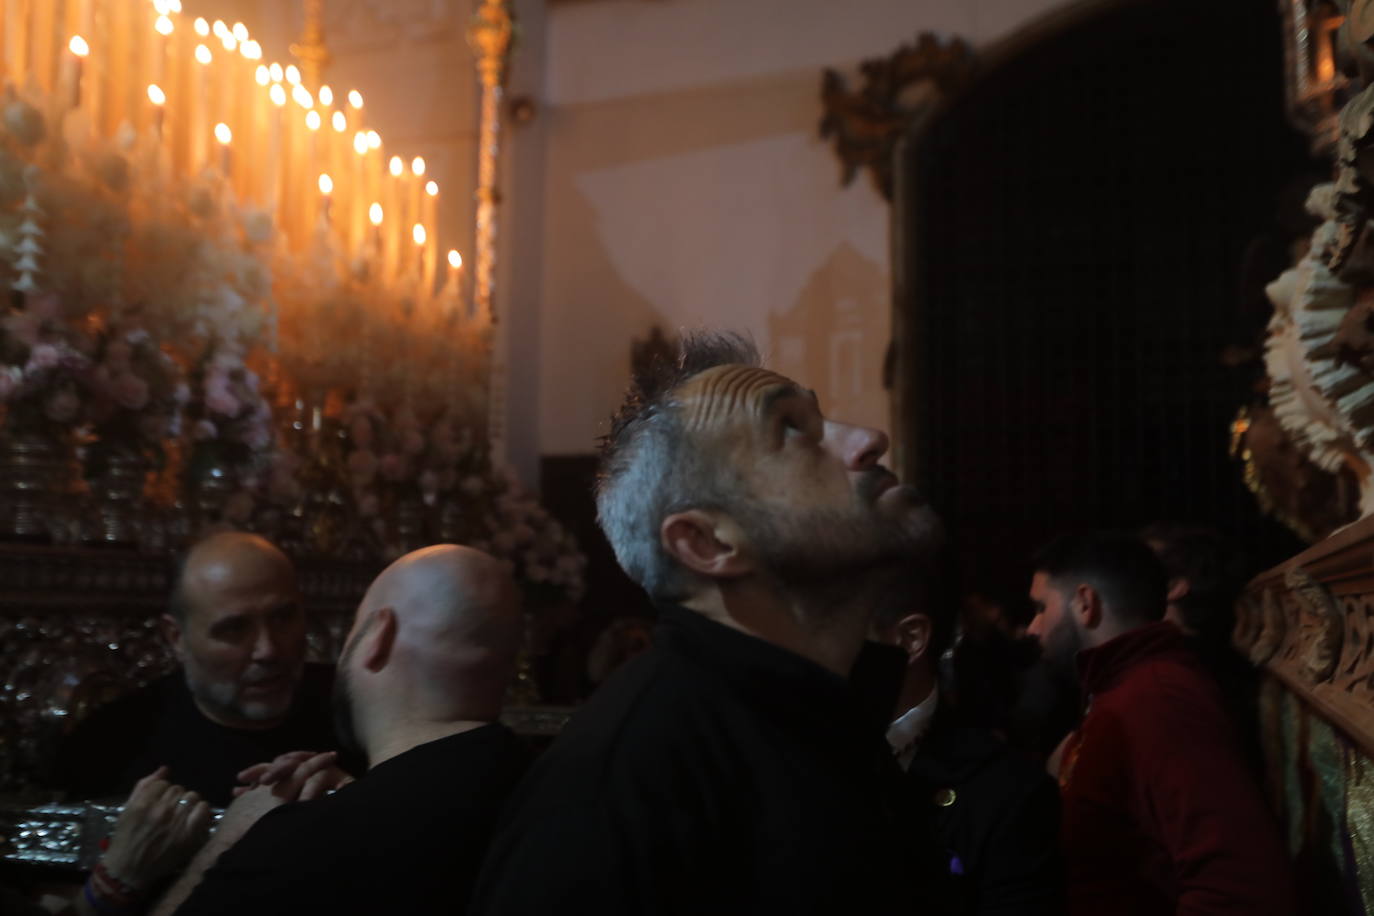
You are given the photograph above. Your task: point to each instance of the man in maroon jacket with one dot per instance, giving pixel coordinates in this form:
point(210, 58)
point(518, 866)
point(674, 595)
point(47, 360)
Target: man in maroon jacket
point(1161, 815)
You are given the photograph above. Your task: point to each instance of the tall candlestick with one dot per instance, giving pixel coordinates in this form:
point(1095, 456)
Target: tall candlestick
point(429, 218)
point(159, 100)
point(225, 136)
point(18, 16)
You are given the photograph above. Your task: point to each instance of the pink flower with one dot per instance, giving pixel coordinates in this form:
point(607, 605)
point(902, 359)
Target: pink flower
point(218, 397)
point(130, 391)
point(43, 356)
point(62, 407)
point(258, 437)
point(181, 394)
point(10, 377)
point(204, 430)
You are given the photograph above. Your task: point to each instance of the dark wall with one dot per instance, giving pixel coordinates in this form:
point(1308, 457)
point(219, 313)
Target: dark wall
point(1078, 227)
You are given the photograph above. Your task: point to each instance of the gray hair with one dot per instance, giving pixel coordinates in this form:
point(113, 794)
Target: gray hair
point(650, 468)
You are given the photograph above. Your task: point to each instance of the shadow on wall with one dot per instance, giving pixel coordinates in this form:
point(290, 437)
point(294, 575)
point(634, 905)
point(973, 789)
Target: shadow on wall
point(834, 337)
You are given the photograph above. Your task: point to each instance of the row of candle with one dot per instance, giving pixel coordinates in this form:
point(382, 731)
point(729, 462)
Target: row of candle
point(203, 94)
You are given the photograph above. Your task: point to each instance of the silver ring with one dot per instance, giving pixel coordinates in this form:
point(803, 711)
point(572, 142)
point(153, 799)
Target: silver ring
point(183, 801)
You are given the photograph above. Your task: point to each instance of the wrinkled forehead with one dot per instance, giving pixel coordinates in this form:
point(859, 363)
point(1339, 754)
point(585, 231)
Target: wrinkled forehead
point(723, 393)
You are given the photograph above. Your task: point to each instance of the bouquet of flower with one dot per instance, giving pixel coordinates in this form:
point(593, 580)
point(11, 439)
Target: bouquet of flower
point(45, 369)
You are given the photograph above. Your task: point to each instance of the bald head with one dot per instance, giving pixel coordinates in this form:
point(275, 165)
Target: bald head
point(229, 561)
point(236, 625)
point(454, 620)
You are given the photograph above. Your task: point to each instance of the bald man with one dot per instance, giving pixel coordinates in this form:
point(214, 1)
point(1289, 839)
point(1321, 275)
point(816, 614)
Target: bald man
point(420, 685)
point(243, 693)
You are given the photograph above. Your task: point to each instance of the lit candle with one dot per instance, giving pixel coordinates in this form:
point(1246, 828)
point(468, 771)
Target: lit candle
point(272, 190)
point(224, 135)
point(418, 236)
point(374, 215)
point(199, 105)
point(453, 289)
point(159, 99)
point(70, 91)
point(416, 180)
point(326, 201)
point(357, 222)
point(394, 205)
point(429, 218)
point(43, 45)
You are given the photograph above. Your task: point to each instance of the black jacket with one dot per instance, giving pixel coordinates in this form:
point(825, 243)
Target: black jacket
point(716, 773)
point(996, 815)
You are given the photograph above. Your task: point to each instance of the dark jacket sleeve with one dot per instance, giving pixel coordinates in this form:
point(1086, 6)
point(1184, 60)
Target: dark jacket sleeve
point(1023, 873)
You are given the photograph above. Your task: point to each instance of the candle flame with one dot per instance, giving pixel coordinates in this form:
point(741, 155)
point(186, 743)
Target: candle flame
point(312, 119)
point(219, 28)
point(261, 75)
point(278, 95)
point(203, 54)
point(162, 7)
point(417, 165)
point(251, 50)
point(374, 140)
point(240, 31)
point(374, 213)
point(164, 25)
point(78, 46)
point(360, 143)
point(396, 166)
point(176, 6)
point(339, 122)
point(455, 260)
point(301, 95)
point(293, 74)
point(326, 95)
point(223, 134)
point(276, 72)
point(229, 43)
point(326, 184)
point(202, 27)
point(156, 95)
point(418, 234)
point(432, 188)
point(355, 98)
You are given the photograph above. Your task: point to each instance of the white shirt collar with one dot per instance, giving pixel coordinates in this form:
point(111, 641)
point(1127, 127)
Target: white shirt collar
point(906, 732)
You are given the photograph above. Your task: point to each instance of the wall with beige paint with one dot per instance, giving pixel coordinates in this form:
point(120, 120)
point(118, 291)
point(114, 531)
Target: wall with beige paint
point(672, 176)
point(686, 186)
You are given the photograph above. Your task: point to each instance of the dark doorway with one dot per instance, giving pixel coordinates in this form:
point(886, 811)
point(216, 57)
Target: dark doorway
point(1071, 236)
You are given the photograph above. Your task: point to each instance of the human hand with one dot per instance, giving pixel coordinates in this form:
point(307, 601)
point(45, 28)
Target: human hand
point(296, 776)
point(160, 828)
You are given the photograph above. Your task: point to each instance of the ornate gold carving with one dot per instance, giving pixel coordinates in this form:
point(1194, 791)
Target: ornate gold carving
point(1316, 88)
point(1322, 625)
point(866, 124)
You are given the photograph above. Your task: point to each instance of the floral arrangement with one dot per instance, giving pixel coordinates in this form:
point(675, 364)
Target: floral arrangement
point(163, 325)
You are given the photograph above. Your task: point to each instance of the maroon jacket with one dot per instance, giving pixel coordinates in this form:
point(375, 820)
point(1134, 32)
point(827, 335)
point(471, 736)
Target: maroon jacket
point(1160, 813)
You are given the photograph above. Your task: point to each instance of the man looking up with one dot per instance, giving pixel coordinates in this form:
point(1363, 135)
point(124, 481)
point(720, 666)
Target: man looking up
point(243, 693)
point(1161, 815)
point(420, 684)
point(727, 768)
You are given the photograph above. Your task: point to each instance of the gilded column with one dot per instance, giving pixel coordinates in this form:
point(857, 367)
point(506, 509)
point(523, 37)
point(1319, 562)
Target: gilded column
point(491, 35)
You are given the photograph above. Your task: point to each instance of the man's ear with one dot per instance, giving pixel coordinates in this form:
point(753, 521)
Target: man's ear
point(1179, 588)
point(707, 543)
point(379, 640)
point(172, 632)
point(1086, 605)
point(913, 635)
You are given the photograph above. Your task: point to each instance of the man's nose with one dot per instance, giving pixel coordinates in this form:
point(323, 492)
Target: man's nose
point(859, 447)
point(265, 645)
point(1035, 626)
